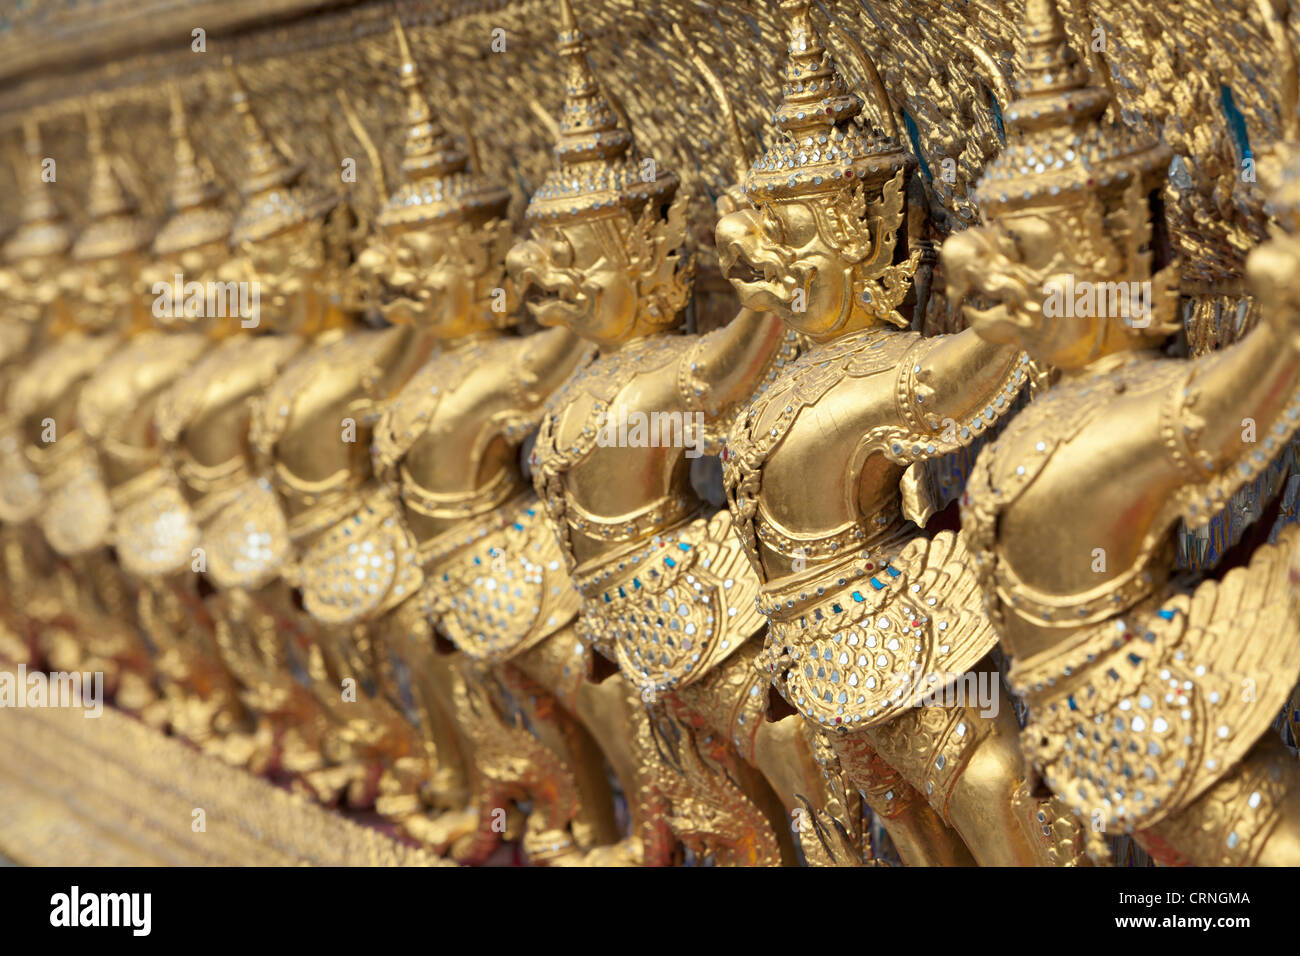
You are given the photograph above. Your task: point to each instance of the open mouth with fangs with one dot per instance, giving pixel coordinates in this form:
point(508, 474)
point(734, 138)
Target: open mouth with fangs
point(742, 272)
point(765, 283)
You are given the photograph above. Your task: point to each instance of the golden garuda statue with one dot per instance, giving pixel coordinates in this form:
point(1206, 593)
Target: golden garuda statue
point(751, 434)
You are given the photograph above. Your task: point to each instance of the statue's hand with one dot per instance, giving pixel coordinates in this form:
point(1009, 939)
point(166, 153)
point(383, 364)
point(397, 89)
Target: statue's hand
point(1274, 272)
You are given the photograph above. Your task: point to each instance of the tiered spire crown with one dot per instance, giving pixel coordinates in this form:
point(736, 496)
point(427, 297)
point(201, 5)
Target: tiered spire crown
point(819, 145)
point(439, 184)
point(1059, 151)
point(197, 218)
point(275, 199)
point(598, 169)
point(114, 227)
point(42, 228)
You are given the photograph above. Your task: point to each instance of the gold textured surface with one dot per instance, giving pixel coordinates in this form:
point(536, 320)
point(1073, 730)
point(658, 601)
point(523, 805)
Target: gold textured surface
point(750, 220)
point(1168, 61)
point(108, 791)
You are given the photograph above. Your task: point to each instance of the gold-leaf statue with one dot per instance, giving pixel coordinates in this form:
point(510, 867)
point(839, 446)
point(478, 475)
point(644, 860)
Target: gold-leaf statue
point(1147, 695)
point(871, 622)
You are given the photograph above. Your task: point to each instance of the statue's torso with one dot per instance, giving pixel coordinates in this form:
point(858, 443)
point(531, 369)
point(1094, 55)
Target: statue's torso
point(447, 446)
point(20, 496)
point(312, 425)
point(48, 388)
point(603, 498)
point(467, 399)
point(76, 513)
point(204, 417)
point(812, 497)
point(116, 407)
point(667, 592)
point(1140, 694)
point(201, 421)
point(1059, 513)
point(865, 614)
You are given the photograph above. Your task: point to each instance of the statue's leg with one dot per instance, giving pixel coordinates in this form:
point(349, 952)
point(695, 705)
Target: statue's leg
point(918, 832)
point(966, 760)
point(1250, 817)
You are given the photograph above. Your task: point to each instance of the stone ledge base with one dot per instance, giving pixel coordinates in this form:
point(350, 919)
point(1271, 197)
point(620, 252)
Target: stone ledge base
point(109, 791)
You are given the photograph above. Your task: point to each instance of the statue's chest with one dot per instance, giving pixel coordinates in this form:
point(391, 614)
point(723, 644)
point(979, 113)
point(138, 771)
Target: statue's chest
point(55, 374)
point(1043, 437)
point(411, 416)
point(312, 398)
point(134, 375)
point(609, 406)
point(798, 423)
point(1038, 459)
point(224, 380)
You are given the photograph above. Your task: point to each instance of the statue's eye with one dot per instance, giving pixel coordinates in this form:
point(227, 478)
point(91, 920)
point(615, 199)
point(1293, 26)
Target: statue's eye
point(773, 228)
point(561, 252)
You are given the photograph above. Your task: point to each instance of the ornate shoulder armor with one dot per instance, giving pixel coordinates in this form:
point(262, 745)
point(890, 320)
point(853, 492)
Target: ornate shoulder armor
point(1210, 488)
point(718, 420)
point(922, 434)
point(254, 362)
point(408, 415)
point(148, 363)
point(58, 368)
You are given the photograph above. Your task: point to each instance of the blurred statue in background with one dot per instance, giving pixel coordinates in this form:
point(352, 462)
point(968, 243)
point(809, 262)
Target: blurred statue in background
point(100, 313)
point(473, 560)
point(32, 261)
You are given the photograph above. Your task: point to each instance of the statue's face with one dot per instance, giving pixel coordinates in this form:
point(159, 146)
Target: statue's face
point(100, 290)
point(289, 271)
point(1005, 273)
point(31, 285)
point(435, 278)
point(452, 281)
point(392, 267)
point(779, 261)
point(197, 265)
point(579, 267)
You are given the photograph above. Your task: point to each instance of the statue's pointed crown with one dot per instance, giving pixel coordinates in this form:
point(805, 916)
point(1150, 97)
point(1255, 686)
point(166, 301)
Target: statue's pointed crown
point(598, 169)
point(197, 217)
point(439, 184)
point(113, 226)
point(819, 144)
point(1059, 151)
point(275, 198)
point(42, 228)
